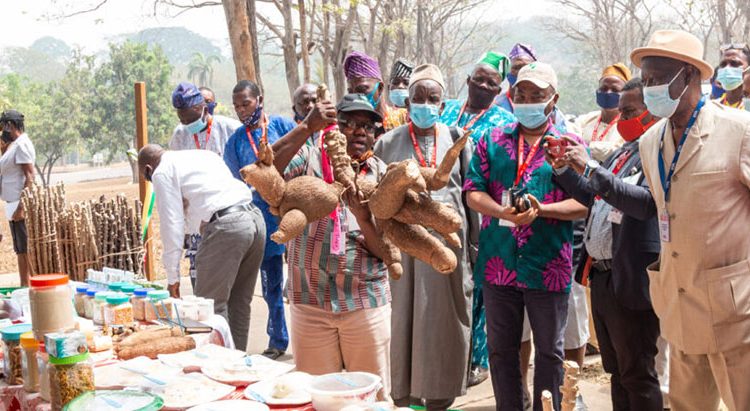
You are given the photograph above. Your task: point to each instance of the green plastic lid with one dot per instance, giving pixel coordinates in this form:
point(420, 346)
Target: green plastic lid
point(102, 295)
point(123, 400)
point(117, 298)
point(128, 288)
point(69, 360)
point(115, 286)
point(157, 295)
point(13, 332)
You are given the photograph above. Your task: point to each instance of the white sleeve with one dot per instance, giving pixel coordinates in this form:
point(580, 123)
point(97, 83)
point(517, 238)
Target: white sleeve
point(174, 142)
point(172, 222)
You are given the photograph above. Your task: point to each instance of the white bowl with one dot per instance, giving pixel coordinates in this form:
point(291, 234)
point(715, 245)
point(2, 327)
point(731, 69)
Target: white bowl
point(332, 392)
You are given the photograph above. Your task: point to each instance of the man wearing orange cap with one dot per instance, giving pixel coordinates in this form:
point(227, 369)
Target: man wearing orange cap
point(697, 163)
point(598, 127)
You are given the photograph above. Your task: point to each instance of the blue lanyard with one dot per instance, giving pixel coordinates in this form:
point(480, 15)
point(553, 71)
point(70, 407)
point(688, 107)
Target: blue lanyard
point(666, 179)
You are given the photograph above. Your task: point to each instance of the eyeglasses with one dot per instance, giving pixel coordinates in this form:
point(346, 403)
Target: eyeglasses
point(353, 125)
point(734, 46)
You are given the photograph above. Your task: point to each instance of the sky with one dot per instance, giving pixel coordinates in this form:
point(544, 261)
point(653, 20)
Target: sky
point(24, 21)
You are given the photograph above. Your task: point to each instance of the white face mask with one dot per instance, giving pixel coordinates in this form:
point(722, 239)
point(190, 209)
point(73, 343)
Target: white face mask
point(659, 102)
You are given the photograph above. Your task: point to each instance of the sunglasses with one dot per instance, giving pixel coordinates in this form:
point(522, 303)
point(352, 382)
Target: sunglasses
point(734, 46)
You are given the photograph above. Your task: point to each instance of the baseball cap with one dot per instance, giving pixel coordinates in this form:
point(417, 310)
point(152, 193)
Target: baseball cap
point(11, 115)
point(358, 102)
point(541, 74)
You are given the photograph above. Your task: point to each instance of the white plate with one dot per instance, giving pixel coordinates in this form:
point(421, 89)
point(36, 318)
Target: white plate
point(203, 355)
point(190, 390)
point(231, 405)
point(237, 372)
point(264, 390)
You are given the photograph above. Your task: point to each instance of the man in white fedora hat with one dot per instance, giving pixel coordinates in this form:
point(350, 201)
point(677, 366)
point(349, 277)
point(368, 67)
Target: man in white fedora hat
point(697, 162)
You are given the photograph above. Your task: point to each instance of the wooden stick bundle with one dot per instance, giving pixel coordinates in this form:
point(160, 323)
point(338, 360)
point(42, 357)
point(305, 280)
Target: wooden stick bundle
point(90, 234)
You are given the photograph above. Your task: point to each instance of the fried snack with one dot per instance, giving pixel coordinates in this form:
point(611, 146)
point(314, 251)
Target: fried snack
point(68, 382)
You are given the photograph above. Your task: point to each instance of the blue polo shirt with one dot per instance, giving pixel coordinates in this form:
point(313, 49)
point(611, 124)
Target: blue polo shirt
point(239, 153)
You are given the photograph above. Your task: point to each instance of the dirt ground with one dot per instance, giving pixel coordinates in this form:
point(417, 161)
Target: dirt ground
point(81, 192)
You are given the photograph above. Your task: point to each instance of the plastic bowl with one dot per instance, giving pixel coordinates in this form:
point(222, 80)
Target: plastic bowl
point(332, 392)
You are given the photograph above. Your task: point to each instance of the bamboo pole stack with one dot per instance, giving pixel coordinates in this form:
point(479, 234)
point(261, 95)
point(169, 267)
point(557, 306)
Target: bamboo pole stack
point(91, 234)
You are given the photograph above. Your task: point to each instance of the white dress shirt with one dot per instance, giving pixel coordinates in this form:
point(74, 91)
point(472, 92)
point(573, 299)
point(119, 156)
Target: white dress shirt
point(190, 186)
point(221, 129)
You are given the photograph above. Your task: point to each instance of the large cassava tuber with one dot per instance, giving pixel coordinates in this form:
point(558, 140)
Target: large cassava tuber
point(415, 240)
point(298, 201)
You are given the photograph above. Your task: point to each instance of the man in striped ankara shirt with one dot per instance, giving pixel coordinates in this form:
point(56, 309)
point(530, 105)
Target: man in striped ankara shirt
point(338, 285)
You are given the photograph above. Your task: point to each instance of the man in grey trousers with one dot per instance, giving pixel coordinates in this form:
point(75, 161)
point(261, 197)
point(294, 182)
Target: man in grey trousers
point(196, 188)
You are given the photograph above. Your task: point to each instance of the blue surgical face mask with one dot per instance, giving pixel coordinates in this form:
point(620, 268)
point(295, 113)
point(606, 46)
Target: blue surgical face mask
point(211, 106)
point(729, 77)
point(607, 101)
point(252, 121)
point(196, 126)
point(371, 95)
point(512, 79)
point(746, 102)
point(659, 102)
point(532, 115)
point(398, 96)
point(424, 115)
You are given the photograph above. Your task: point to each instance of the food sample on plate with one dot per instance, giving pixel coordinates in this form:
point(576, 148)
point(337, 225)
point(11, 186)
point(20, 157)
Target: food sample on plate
point(188, 390)
point(247, 370)
point(201, 356)
point(287, 389)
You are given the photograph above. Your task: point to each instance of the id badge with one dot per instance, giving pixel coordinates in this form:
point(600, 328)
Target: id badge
point(505, 202)
point(614, 216)
point(664, 226)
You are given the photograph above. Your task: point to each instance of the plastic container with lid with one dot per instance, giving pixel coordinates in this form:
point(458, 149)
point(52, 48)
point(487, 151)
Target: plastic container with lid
point(115, 286)
point(332, 392)
point(158, 305)
point(128, 289)
point(42, 362)
point(118, 310)
point(30, 347)
point(205, 309)
point(88, 305)
point(188, 310)
point(51, 304)
point(100, 300)
point(80, 300)
point(13, 353)
point(139, 299)
point(68, 378)
point(122, 400)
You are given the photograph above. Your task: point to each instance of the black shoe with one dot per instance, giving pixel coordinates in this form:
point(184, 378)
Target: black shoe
point(477, 375)
point(272, 353)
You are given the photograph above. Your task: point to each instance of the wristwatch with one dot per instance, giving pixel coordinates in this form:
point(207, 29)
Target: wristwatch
point(591, 165)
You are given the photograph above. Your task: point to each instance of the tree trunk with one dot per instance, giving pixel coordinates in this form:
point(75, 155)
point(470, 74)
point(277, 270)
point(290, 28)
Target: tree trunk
point(253, 30)
point(303, 40)
point(325, 37)
point(291, 63)
point(240, 38)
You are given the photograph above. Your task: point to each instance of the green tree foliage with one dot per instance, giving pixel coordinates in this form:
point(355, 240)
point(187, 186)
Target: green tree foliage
point(112, 107)
point(201, 69)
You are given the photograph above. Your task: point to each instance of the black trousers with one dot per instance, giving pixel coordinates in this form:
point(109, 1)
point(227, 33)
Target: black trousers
point(627, 341)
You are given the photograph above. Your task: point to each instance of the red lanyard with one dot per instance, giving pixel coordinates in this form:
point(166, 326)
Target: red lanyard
point(621, 162)
point(263, 137)
point(208, 135)
point(417, 150)
point(473, 120)
point(523, 165)
point(595, 137)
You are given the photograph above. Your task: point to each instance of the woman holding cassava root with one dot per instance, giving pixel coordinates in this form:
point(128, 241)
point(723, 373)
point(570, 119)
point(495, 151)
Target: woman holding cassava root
point(338, 283)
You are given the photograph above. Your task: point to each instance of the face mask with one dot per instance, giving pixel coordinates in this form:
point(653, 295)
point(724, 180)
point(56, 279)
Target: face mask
point(659, 102)
point(424, 115)
point(371, 96)
point(398, 96)
point(211, 106)
point(252, 121)
point(716, 91)
point(729, 77)
point(746, 103)
point(531, 115)
point(607, 101)
point(512, 79)
point(196, 126)
point(632, 128)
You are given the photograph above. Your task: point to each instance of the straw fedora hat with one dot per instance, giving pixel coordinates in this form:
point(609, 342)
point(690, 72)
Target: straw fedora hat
point(675, 44)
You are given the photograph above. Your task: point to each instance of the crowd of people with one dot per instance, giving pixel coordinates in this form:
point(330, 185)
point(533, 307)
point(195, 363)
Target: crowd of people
point(620, 230)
